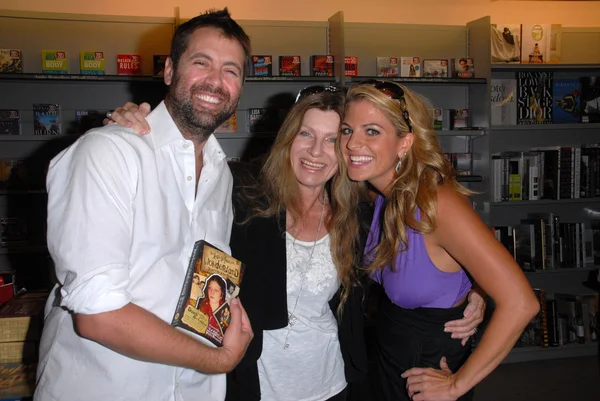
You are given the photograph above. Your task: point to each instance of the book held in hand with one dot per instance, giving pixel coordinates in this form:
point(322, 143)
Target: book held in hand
point(212, 280)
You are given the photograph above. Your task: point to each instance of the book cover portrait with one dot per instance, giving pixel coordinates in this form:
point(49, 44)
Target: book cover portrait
point(212, 281)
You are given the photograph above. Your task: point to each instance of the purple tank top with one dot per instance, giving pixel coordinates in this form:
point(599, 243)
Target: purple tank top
point(416, 281)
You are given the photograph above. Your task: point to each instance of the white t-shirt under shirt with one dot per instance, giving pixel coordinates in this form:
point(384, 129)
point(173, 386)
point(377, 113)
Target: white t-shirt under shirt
point(311, 368)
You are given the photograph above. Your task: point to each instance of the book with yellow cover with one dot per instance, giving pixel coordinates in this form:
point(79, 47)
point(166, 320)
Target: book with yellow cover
point(212, 280)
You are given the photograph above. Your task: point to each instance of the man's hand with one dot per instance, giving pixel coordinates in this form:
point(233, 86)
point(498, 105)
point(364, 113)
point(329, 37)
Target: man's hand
point(473, 316)
point(132, 116)
point(237, 337)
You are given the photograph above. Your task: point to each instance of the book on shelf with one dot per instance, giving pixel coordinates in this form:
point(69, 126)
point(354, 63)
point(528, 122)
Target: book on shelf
point(322, 65)
point(566, 105)
point(228, 126)
point(386, 66)
point(435, 68)
point(290, 66)
point(410, 67)
point(463, 67)
point(54, 62)
point(504, 101)
point(536, 40)
point(10, 61)
point(89, 118)
point(13, 174)
point(534, 97)
point(129, 64)
point(91, 62)
point(459, 118)
point(10, 122)
point(212, 280)
point(506, 43)
point(351, 66)
point(590, 99)
point(261, 66)
point(438, 119)
point(158, 64)
point(46, 119)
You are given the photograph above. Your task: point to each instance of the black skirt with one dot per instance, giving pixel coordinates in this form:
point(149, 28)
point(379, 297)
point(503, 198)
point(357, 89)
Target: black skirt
point(407, 338)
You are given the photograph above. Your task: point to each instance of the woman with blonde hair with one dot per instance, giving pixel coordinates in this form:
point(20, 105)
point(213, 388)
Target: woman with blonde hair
point(423, 240)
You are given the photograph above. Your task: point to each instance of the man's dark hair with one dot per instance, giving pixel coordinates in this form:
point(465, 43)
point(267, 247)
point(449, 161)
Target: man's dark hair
point(218, 19)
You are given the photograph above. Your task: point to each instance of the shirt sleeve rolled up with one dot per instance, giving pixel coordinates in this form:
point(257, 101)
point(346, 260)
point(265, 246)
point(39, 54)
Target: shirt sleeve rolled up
point(90, 230)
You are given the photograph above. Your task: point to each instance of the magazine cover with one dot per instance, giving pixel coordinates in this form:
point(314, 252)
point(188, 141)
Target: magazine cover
point(10, 60)
point(212, 281)
point(534, 97)
point(46, 119)
point(566, 106)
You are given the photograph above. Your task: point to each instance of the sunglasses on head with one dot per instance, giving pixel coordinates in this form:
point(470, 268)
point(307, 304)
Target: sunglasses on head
point(393, 91)
point(312, 90)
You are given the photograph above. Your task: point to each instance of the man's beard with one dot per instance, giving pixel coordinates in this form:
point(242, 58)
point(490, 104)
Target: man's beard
point(200, 123)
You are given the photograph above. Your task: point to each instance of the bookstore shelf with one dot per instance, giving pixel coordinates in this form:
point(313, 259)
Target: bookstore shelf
point(459, 132)
point(10, 192)
point(537, 127)
point(424, 80)
point(523, 354)
point(23, 249)
point(563, 270)
point(36, 138)
point(77, 77)
point(546, 202)
point(469, 178)
point(549, 67)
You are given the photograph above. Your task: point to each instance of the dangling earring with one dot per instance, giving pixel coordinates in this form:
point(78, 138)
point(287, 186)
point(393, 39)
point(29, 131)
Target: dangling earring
point(399, 163)
point(398, 166)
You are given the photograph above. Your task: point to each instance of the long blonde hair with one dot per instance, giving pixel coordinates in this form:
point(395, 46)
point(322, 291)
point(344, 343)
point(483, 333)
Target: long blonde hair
point(281, 191)
point(424, 168)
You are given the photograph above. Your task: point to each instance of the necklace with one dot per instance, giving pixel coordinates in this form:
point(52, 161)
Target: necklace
point(292, 319)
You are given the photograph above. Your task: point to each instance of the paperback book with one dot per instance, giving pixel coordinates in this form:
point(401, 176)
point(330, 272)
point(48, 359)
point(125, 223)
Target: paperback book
point(387, 66)
point(566, 107)
point(534, 97)
point(410, 67)
point(350, 66)
point(289, 66)
point(158, 69)
point(504, 101)
point(10, 60)
point(91, 63)
point(435, 68)
point(10, 122)
point(46, 119)
point(322, 66)
point(212, 280)
point(228, 126)
point(129, 64)
point(590, 99)
point(262, 66)
point(54, 62)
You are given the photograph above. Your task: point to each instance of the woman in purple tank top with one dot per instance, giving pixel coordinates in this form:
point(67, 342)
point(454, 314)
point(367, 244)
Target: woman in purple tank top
point(424, 237)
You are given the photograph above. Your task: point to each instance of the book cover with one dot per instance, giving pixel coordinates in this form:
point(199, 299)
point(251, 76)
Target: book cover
point(463, 67)
point(212, 280)
point(459, 118)
point(321, 66)
point(261, 66)
point(46, 119)
point(535, 48)
point(54, 62)
point(289, 66)
point(10, 60)
point(438, 119)
point(504, 101)
point(91, 63)
point(13, 174)
point(387, 66)
point(435, 68)
point(129, 64)
point(89, 118)
point(228, 126)
point(566, 105)
point(158, 69)
point(590, 100)
point(534, 97)
point(410, 67)
point(506, 43)
point(10, 122)
point(350, 66)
